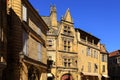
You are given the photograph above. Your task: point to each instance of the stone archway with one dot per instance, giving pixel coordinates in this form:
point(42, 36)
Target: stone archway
point(67, 76)
point(33, 74)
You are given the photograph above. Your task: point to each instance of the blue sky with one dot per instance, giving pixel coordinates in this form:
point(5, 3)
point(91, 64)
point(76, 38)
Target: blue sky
point(101, 18)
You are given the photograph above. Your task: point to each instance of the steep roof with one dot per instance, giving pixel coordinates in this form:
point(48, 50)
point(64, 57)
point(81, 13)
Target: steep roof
point(67, 16)
point(46, 19)
point(114, 53)
point(103, 49)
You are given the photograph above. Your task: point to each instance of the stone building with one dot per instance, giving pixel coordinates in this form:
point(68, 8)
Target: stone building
point(88, 55)
point(104, 62)
point(114, 65)
point(26, 42)
point(92, 57)
point(61, 46)
point(73, 53)
point(3, 36)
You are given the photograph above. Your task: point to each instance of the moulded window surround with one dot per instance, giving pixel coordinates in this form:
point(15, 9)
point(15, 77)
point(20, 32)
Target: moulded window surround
point(103, 68)
point(75, 62)
point(67, 30)
point(68, 48)
point(65, 48)
point(88, 51)
point(95, 54)
point(91, 52)
point(104, 58)
point(89, 67)
point(65, 45)
point(24, 12)
point(50, 43)
point(95, 67)
point(67, 62)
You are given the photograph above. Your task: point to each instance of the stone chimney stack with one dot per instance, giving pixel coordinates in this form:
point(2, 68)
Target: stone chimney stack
point(53, 16)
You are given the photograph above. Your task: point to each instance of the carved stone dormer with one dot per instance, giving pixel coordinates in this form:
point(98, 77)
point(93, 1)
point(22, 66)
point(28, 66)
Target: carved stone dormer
point(67, 17)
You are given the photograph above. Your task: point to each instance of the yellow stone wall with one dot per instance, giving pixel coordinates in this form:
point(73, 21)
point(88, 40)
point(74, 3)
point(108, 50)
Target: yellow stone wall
point(35, 25)
point(84, 59)
point(36, 30)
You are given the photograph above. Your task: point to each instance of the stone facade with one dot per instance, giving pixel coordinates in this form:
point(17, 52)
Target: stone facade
point(32, 53)
point(61, 46)
point(114, 65)
point(74, 54)
point(104, 56)
point(92, 56)
point(26, 38)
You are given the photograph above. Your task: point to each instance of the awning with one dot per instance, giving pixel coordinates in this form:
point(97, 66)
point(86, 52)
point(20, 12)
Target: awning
point(105, 76)
point(49, 74)
point(90, 74)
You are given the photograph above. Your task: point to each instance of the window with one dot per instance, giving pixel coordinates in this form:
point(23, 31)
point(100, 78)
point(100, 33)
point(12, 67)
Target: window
point(24, 13)
point(95, 67)
point(67, 62)
point(91, 52)
point(95, 54)
point(75, 62)
point(50, 43)
point(89, 67)
point(25, 43)
point(67, 30)
point(67, 46)
point(104, 58)
point(103, 68)
point(39, 52)
point(88, 51)
point(118, 60)
point(82, 69)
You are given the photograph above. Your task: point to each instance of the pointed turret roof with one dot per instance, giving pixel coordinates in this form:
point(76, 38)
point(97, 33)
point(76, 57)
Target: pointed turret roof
point(67, 16)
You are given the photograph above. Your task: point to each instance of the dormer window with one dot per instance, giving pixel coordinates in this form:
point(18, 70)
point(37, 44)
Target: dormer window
point(50, 43)
point(67, 30)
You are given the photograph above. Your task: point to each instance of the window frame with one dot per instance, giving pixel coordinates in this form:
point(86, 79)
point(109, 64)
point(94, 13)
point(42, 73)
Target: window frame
point(24, 12)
